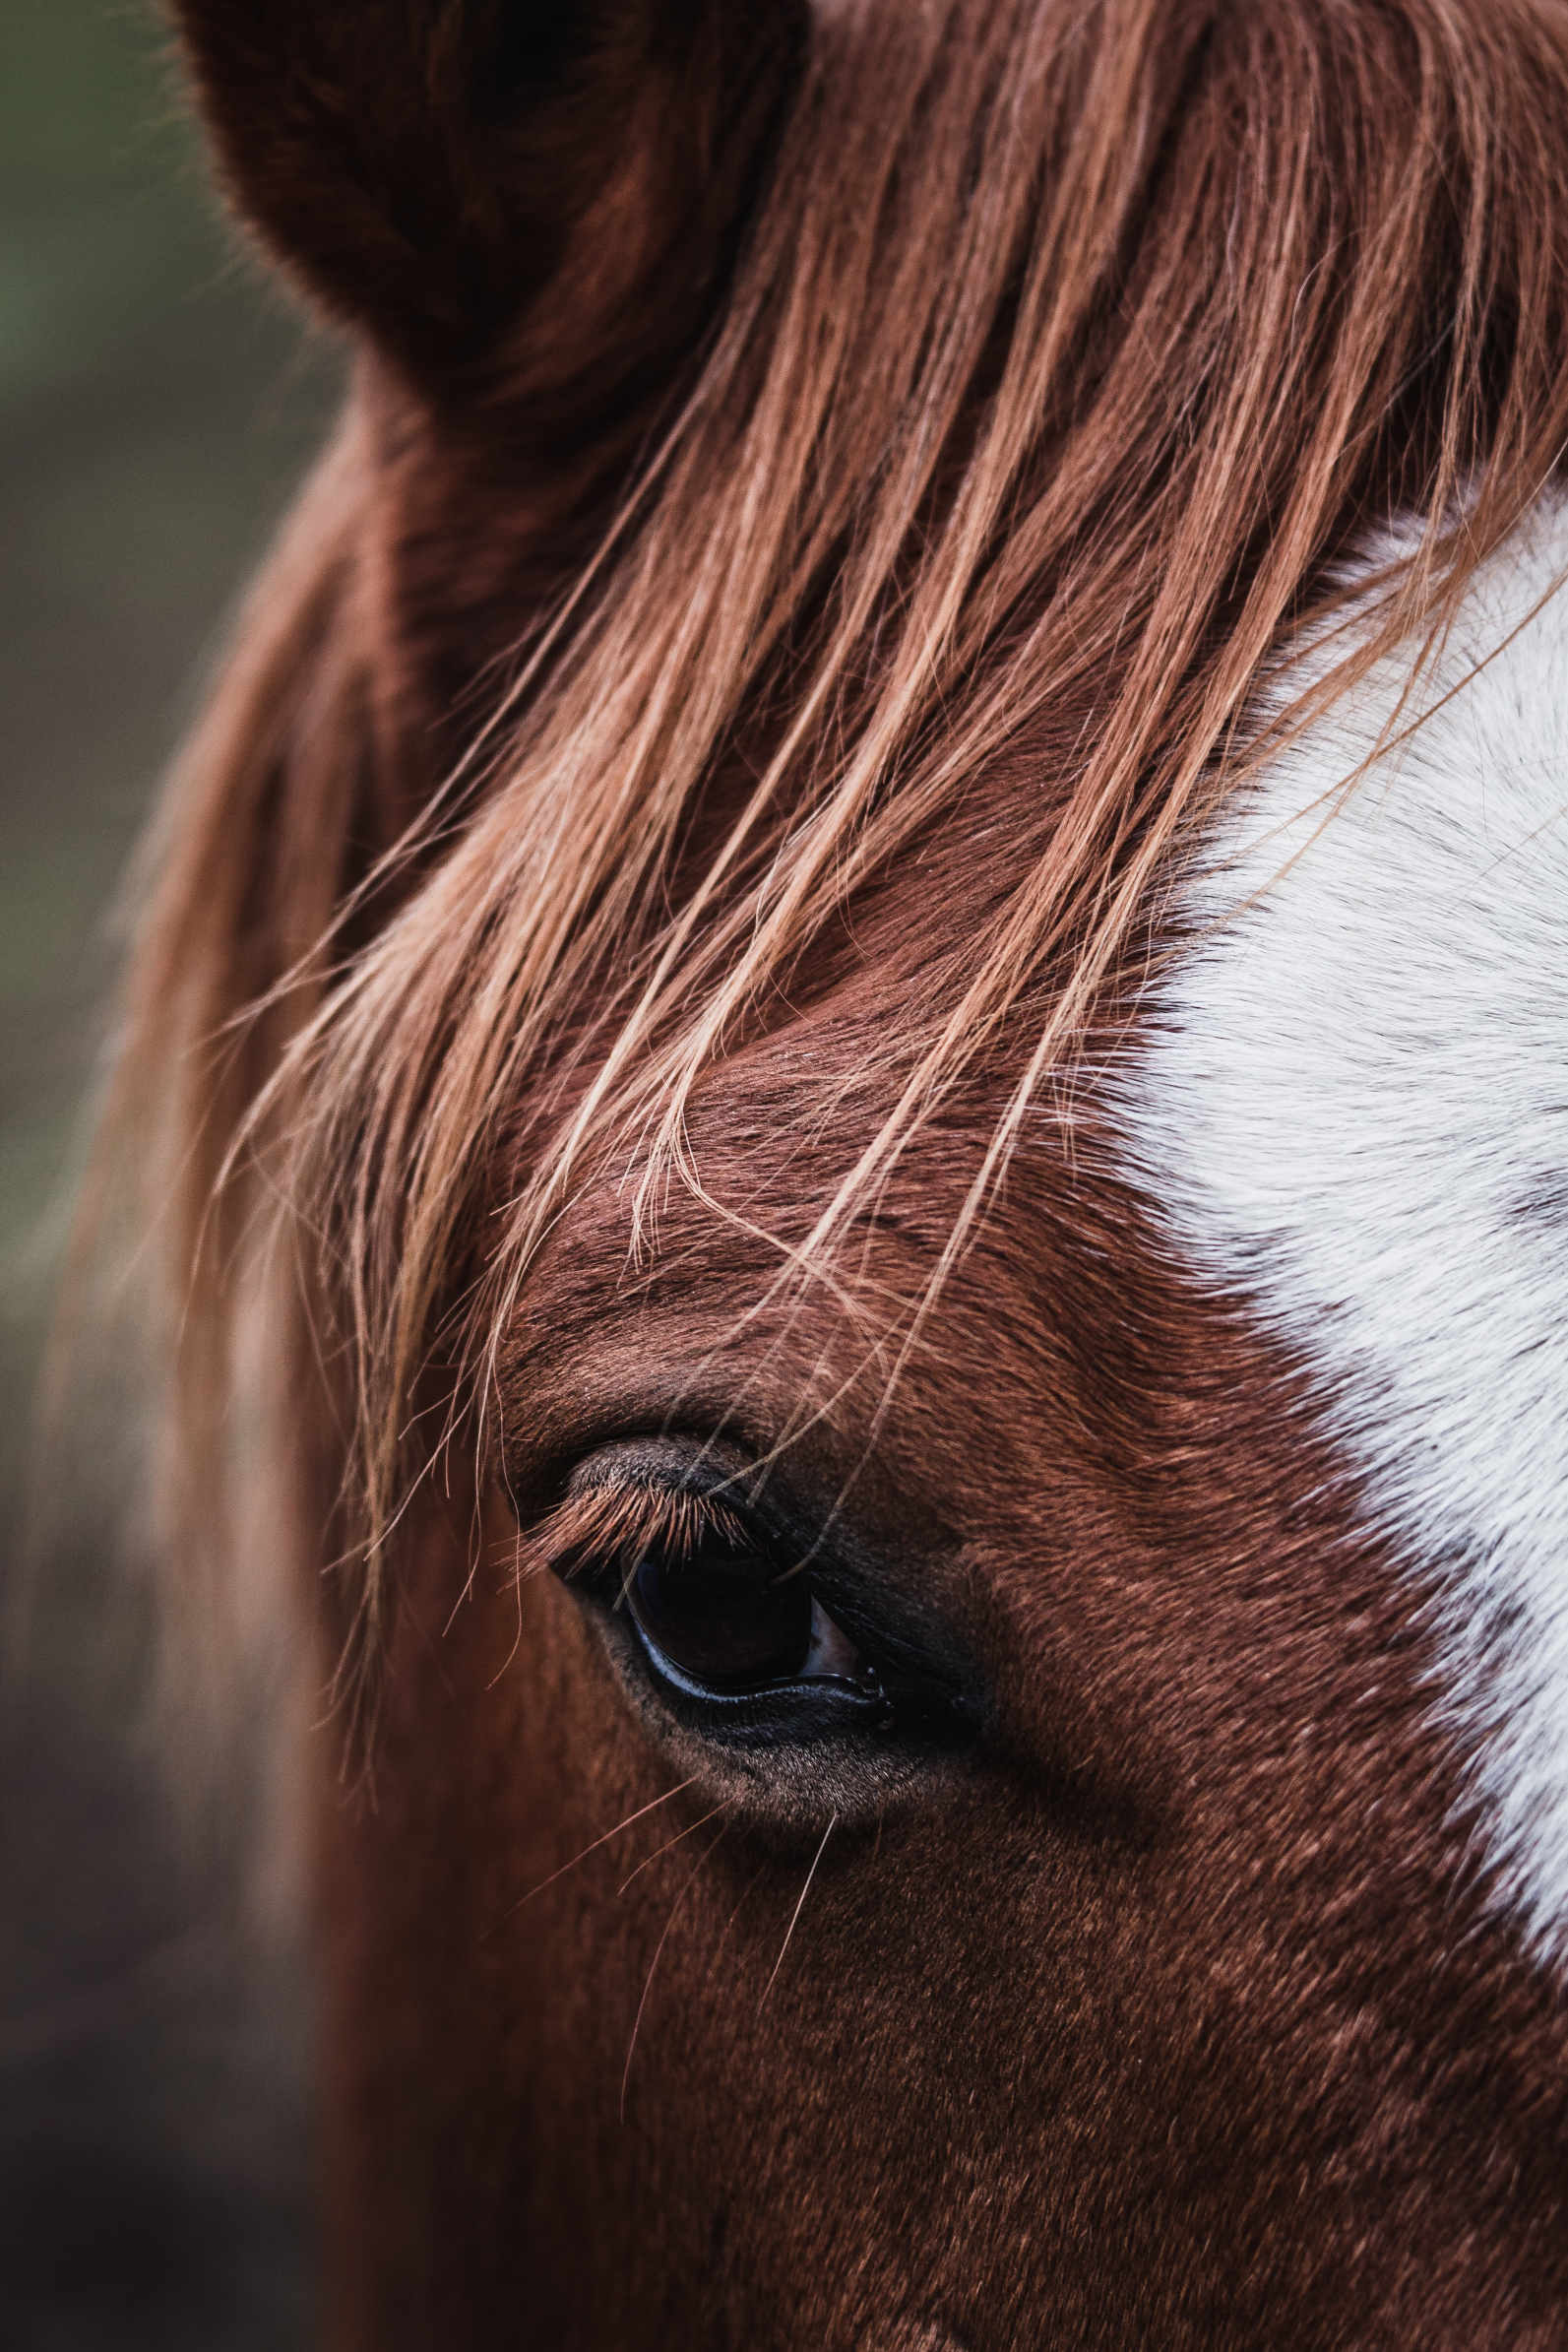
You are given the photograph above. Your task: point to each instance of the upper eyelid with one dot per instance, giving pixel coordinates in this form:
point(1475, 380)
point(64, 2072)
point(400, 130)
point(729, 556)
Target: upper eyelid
point(619, 1519)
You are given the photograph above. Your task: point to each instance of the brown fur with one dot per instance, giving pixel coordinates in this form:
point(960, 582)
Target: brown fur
point(810, 518)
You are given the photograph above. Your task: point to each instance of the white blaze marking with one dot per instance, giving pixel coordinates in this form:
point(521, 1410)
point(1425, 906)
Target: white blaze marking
point(1352, 1100)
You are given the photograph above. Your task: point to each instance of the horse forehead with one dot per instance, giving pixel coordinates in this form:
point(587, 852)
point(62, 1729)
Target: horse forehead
point(1350, 1106)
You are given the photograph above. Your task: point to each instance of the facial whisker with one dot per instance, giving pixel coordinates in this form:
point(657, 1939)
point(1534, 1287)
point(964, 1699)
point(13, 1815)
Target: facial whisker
point(717, 1951)
point(723, 1807)
point(648, 1983)
point(593, 1847)
point(800, 1906)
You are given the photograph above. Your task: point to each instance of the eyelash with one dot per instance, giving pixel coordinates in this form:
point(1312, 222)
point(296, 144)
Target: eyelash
point(598, 1534)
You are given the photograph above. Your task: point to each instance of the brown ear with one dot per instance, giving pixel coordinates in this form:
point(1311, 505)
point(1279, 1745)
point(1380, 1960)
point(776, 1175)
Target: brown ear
point(442, 171)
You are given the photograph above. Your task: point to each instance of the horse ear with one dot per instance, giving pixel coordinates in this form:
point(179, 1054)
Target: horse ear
point(441, 172)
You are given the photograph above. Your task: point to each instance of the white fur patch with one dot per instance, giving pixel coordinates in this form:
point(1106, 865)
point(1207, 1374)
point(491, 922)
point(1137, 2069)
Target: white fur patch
point(1351, 1101)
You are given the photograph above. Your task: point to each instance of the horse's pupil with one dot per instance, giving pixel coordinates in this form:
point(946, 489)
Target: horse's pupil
point(723, 1618)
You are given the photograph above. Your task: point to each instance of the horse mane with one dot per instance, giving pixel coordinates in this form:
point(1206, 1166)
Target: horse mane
point(1069, 352)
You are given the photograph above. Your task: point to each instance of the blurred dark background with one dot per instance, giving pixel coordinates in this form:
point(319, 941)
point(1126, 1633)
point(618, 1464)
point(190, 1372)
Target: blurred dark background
point(158, 402)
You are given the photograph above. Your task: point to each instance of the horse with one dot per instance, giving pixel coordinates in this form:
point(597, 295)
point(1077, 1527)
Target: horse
point(846, 1057)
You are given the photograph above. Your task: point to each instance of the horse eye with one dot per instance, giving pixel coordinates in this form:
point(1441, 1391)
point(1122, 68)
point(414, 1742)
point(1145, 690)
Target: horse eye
point(724, 1619)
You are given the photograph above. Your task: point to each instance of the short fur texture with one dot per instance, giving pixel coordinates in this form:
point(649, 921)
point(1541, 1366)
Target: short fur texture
point(1351, 1108)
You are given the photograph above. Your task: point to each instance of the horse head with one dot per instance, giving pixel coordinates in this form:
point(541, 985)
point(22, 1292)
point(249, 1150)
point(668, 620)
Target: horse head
point(849, 1042)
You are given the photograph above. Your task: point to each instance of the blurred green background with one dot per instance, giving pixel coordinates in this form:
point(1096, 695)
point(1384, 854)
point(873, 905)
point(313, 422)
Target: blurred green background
point(158, 402)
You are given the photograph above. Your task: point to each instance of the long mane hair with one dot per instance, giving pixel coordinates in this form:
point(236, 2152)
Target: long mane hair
point(1069, 351)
